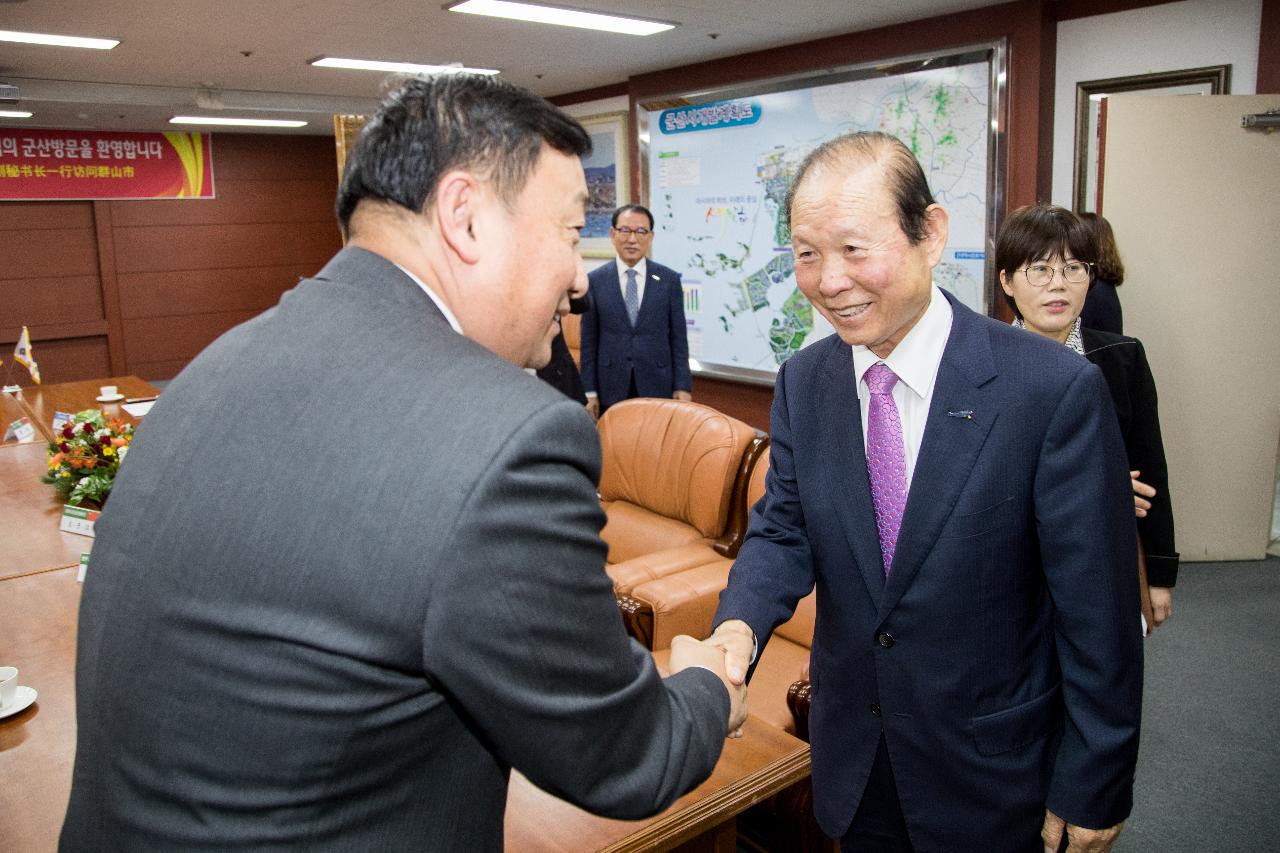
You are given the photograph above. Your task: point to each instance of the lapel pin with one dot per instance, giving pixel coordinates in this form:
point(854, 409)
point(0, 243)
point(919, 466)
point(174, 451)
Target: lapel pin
point(967, 414)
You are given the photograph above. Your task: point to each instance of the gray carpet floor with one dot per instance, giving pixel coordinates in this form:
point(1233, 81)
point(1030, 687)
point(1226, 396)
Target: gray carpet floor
point(1209, 768)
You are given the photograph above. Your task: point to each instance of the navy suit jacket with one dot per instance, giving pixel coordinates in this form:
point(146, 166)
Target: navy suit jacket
point(1002, 658)
point(656, 349)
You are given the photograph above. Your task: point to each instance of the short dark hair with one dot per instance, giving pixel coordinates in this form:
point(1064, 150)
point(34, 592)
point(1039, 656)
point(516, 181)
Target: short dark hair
point(431, 124)
point(905, 177)
point(1038, 232)
point(629, 208)
point(1105, 250)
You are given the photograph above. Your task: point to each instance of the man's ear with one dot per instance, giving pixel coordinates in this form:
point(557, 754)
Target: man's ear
point(935, 231)
point(459, 200)
point(1004, 284)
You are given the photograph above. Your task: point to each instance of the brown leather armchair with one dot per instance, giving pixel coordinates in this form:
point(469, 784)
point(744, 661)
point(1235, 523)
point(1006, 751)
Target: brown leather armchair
point(682, 599)
point(571, 326)
point(668, 476)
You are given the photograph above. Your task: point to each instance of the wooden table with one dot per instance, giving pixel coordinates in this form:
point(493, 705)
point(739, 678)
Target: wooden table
point(45, 401)
point(11, 409)
point(38, 617)
point(30, 512)
point(761, 763)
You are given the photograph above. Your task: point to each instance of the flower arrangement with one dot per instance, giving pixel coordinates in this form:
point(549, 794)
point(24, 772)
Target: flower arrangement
point(85, 455)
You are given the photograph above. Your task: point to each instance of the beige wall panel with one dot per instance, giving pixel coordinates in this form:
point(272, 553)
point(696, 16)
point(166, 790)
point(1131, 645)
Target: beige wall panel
point(1195, 202)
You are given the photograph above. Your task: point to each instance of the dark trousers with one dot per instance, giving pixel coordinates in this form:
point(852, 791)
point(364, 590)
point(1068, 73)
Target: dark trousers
point(878, 826)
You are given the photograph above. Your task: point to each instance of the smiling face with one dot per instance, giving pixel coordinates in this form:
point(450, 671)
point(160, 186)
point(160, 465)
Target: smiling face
point(853, 261)
point(631, 247)
point(537, 262)
point(1051, 310)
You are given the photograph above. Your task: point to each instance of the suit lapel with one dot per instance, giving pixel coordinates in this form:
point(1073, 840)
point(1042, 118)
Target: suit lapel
point(842, 432)
point(654, 294)
point(961, 414)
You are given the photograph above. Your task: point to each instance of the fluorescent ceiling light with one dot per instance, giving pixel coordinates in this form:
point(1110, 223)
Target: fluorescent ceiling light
point(560, 16)
point(397, 67)
point(58, 41)
point(14, 114)
point(237, 122)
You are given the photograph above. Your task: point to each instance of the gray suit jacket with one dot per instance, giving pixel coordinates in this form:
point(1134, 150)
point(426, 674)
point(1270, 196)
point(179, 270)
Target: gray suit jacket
point(349, 576)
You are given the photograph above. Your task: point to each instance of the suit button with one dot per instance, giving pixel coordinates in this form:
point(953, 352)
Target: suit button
point(885, 639)
point(875, 709)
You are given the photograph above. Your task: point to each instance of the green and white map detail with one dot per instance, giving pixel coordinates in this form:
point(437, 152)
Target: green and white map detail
point(719, 175)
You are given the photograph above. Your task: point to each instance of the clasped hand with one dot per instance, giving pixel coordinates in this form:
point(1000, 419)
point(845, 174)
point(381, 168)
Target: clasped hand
point(687, 652)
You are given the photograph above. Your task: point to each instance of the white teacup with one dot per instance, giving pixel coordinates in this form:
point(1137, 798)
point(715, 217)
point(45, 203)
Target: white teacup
point(8, 685)
point(107, 391)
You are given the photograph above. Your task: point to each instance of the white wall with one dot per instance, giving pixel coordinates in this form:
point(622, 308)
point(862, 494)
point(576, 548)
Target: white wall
point(1169, 37)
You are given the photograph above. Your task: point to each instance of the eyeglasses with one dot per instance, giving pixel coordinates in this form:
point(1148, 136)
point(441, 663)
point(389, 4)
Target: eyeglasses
point(1040, 275)
point(639, 232)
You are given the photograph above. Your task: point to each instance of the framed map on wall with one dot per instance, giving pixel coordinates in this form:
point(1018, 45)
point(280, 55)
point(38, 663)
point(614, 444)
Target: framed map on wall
point(716, 168)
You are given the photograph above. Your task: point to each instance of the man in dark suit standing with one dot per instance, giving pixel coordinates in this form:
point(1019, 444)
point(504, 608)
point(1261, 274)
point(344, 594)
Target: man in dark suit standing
point(957, 493)
point(634, 339)
point(351, 573)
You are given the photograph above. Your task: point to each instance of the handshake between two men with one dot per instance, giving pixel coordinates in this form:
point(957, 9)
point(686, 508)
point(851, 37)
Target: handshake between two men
point(727, 653)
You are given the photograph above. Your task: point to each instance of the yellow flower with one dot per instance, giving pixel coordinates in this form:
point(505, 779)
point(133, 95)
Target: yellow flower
point(108, 451)
point(65, 473)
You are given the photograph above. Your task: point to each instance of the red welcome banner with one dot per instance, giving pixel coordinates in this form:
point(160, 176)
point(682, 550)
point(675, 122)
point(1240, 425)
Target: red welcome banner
point(39, 165)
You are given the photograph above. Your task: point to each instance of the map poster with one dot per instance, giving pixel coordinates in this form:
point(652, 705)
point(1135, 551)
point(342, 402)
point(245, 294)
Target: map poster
point(719, 173)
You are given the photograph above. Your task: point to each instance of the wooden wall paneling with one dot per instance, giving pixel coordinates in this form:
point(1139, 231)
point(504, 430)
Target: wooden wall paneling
point(238, 201)
point(1269, 49)
point(252, 157)
point(178, 336)
point(196, 247)
point(110, 291)
point(37, 215)
point(43, 301)
point(67, 359)
point(207, 291)
point(746, 402)
point(50, 253)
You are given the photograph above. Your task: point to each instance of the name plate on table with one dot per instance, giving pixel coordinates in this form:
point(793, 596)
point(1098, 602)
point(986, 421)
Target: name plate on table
point(61, 419)
point(84, 568)
point(77, 519)
point(22, 430)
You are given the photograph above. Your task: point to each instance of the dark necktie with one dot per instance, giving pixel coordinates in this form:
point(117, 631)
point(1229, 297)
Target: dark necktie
point(632, 297)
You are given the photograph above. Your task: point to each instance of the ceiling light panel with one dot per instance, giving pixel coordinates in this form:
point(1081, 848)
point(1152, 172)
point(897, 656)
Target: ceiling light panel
point(396, 67)
point(237, 122)
point(57, 41)
point(560, 16)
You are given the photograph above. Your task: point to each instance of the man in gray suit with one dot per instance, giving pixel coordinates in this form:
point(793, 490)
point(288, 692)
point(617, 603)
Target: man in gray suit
point(351, 574)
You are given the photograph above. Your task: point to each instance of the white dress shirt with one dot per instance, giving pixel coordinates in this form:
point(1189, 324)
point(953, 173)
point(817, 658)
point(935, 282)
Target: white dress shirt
point(641, 268)
point(915, 361)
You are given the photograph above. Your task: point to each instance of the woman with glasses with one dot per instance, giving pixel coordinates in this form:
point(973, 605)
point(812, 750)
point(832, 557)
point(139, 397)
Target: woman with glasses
point(1046, 257)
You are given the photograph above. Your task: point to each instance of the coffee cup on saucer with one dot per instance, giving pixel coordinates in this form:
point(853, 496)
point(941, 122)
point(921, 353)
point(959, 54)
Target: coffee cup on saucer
point(8, 685)
point(109, 394)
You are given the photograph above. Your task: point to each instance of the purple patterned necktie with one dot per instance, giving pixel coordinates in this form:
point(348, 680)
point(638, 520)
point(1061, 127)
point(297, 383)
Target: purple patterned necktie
point(886, 459)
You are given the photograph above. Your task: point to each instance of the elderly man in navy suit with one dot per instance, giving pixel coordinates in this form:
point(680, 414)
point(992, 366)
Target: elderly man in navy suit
point(956, 491)
point(634, 342)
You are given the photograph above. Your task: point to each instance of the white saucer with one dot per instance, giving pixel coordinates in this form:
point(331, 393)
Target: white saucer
point(22, 699)
point(114, 398)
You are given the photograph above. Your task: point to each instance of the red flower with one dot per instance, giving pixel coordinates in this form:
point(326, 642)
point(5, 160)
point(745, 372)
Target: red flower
point(64, 447)
point(68, 431)
point(88, 428)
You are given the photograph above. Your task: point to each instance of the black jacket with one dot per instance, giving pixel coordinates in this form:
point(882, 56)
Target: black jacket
point(1123, 363)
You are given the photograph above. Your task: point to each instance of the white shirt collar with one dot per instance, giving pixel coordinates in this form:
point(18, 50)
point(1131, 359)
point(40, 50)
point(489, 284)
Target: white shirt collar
point(916, 358)
point(444, 309)
point(641, 269)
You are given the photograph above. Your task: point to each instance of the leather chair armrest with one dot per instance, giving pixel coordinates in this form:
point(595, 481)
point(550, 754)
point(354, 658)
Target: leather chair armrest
point(798, 696)
point(681, 603)
point(629, 574)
